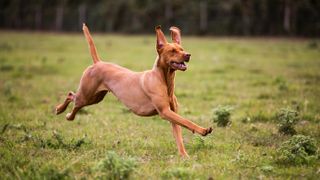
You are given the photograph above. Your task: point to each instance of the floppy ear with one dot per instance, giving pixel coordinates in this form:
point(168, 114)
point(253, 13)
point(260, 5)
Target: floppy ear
point(161, 39)
point(175, 35)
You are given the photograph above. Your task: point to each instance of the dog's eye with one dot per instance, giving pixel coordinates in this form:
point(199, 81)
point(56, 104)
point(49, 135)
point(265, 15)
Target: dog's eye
point(173, 51)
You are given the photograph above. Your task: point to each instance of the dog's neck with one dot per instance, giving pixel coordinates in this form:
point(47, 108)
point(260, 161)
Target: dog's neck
point(168, 75)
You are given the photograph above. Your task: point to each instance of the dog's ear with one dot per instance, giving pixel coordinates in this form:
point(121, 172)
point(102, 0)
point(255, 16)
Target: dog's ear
point(175, 35)
point(161, 39)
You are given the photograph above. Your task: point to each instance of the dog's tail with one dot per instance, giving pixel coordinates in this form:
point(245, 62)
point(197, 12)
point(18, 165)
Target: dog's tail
point(92, 47)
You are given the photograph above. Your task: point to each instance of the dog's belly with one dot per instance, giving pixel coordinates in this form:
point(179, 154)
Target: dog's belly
point(134, 98)
point(125, 85)
point(145, 110)
point(137, 102)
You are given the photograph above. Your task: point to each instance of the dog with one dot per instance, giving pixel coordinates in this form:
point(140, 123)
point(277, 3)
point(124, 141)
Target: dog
point(145, 93)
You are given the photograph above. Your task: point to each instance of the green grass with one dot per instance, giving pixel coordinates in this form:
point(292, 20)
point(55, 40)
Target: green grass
point(255, 76)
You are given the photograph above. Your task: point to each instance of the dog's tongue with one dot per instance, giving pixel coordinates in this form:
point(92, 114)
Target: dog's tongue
point(182, 66)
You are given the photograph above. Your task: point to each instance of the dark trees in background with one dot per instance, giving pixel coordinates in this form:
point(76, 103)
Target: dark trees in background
point(203, 16)
point(213, 17)
point(287, 16)
point(59, 15)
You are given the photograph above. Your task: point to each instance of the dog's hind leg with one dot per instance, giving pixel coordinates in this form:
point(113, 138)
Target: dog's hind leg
point(90, 91)
point(70, 116)
point(81, 101)
point(62, 107)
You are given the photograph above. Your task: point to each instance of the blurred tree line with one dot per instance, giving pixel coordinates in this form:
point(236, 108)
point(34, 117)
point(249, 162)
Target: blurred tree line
point(213, 17)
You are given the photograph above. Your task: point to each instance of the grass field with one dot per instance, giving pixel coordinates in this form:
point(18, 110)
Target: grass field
point(256, 77)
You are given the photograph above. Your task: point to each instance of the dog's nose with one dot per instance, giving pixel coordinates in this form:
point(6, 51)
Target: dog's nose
point(187, 57)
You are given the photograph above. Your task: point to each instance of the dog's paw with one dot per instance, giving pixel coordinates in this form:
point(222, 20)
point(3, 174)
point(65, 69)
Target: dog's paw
point(58, 110)
point(69, 117)
point(185, 156)
point(207, 131)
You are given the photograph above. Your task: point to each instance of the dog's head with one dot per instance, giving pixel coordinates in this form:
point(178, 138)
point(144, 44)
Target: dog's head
point(171, 55)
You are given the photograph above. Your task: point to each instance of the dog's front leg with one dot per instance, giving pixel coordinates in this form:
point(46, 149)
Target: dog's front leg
point(173, 117)
point(179, 141)
point(176, 129)
point(161, 102)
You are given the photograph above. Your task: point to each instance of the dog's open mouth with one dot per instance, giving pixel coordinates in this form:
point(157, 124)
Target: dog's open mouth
point(178, 66)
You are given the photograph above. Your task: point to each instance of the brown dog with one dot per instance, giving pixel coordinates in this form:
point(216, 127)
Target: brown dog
point(144, 93)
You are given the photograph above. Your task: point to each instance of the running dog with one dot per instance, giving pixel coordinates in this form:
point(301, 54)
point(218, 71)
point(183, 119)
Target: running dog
point(145, 93)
